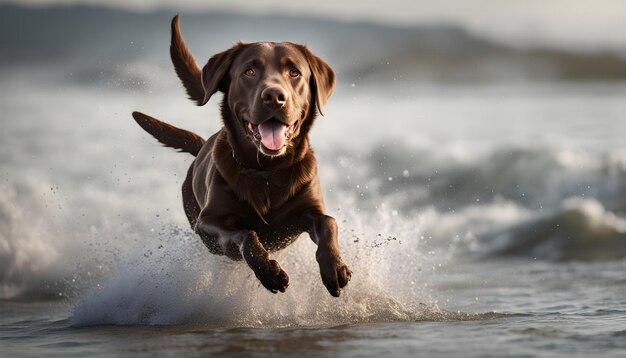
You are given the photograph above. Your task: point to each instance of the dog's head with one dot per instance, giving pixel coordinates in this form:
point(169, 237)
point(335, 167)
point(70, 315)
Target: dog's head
point(271, 88)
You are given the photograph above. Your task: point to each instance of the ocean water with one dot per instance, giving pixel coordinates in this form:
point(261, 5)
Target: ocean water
point(479, 220)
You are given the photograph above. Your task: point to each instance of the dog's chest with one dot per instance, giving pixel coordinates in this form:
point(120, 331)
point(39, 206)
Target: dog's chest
point(262, 190)
point(267, 191)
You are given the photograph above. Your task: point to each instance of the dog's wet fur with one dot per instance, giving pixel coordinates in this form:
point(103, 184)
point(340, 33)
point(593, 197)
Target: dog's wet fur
point(253, 187)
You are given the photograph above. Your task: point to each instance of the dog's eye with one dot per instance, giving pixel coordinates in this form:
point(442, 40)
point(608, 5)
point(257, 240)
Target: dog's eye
point(294, 73)
point(249, 72)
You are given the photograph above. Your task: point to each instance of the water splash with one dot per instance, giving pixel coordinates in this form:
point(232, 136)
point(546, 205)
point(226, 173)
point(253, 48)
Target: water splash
point(182, 283)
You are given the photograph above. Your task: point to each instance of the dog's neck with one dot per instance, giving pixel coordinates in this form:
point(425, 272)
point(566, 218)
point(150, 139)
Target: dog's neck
point(259, 173)
point(248, 155)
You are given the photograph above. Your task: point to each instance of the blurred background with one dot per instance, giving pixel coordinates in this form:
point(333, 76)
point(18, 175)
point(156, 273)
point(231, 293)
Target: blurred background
point(474, 142)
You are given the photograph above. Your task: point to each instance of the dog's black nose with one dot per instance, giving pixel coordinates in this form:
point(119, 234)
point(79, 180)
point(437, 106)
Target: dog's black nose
point(274, 97)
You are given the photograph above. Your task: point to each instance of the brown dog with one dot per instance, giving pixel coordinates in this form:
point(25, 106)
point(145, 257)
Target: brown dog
point(253, 186)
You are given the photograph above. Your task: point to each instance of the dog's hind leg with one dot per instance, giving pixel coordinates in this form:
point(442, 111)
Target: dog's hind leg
point(192, 209)
point(237, 244)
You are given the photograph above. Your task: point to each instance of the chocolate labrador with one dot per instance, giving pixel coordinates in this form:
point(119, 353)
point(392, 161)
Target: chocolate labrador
point(253, 187)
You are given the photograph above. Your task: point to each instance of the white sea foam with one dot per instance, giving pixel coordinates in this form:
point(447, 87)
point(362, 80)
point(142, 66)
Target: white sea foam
point(26, 251)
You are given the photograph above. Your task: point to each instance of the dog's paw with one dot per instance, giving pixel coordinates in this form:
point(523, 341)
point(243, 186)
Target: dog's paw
point(272, 276)
point(335, 274)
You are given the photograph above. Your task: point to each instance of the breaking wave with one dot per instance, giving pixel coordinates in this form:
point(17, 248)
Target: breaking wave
point(581, 229)
point(534, 201)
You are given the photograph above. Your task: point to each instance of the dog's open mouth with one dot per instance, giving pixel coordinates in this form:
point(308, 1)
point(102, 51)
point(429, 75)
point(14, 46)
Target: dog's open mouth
point(273, 135)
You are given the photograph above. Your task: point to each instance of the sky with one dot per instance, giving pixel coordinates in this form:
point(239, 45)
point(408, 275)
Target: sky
point(593, 24)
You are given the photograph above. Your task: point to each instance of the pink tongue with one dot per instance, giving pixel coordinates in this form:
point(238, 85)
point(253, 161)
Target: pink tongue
point(272, 134)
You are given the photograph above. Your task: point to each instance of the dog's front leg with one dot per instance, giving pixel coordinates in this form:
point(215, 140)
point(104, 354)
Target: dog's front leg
point(335, 273)
point(245, 243)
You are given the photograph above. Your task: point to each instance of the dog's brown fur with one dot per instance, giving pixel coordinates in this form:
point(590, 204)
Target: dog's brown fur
point(241, 197)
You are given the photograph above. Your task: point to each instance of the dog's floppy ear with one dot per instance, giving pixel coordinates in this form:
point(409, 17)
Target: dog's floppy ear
point(322, 78)
point(200, 84)
point(215, 72)
point(185, 65)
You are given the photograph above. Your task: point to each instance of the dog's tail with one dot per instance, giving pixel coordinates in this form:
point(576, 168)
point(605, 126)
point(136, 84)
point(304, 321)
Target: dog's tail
point(170, 136)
